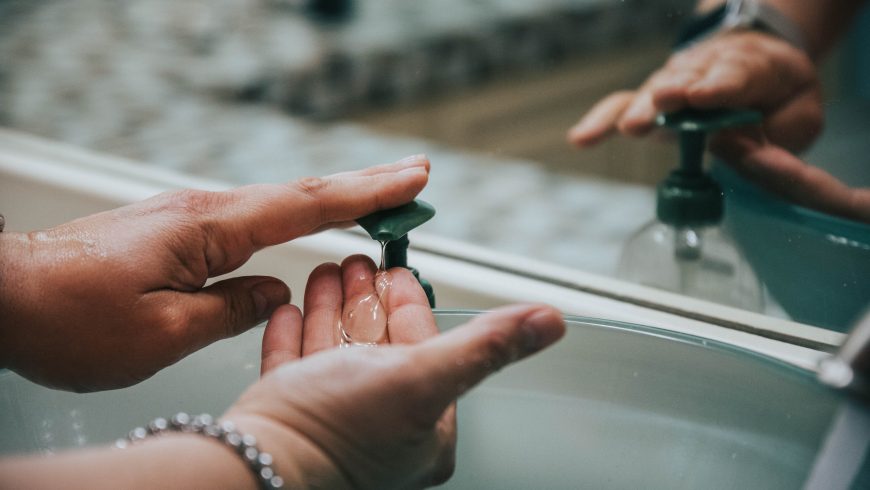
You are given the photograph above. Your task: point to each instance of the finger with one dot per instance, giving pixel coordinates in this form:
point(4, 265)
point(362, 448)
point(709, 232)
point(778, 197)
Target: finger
point(410, 317)
point(733, 144)
point(639, 117)
point(671, 95)
point(727, 84)
point(227, 308)
point(358, 277)
point(331, 226)
point(238, 222)
point(277, 213)
point(785, 175)
point(796, 124)
point(419, 160)
point(600, 121)
point(322, 306)
point(452, 363)
point(282, 339)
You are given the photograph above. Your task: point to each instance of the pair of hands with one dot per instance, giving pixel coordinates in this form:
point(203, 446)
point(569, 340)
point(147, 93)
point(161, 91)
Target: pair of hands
point(739, 70)
point(108, 300)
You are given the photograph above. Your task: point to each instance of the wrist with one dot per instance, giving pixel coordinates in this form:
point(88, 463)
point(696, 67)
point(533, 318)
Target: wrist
point(297, 459)
point(742, 15)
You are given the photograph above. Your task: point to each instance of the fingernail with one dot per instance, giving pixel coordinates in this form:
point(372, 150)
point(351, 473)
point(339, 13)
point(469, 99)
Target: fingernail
point(542, 329)
point(268, 296)
point(414, 160)
point(414, 170)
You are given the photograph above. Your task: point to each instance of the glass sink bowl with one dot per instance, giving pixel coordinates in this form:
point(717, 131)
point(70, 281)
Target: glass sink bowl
point(611, 406)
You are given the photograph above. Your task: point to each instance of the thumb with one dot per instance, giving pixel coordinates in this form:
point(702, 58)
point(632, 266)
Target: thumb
point(453, 363)
point(734, 144)
point(787, 176)
point(232, 306)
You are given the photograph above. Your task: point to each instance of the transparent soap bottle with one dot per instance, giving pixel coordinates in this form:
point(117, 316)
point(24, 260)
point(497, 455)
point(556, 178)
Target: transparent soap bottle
point(685, 250)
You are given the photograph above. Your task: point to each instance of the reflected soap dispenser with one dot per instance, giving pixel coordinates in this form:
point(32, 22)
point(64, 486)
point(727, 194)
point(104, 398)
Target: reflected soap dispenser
point(685, 249)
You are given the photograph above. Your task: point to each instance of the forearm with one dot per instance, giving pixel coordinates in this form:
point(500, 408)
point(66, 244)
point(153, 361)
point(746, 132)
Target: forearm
point(178, 460)
point(172, 461)
point(821, 22)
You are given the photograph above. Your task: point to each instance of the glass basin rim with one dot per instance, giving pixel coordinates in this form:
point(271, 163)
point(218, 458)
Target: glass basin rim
point(664, 333)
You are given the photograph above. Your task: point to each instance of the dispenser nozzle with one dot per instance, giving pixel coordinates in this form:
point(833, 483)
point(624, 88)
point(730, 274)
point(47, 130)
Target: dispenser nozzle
point(391, 226)
point(688, 196)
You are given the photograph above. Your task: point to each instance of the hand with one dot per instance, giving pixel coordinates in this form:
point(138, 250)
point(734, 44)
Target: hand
point(108, 300)
point(375, 417)
point(731, 70)
point(785, 175)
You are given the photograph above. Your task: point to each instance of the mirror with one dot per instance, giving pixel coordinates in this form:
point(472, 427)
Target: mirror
point(271, 90)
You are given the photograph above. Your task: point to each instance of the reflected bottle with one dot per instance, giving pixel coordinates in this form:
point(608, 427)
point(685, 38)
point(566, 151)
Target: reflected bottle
point(685, 250)
point(698, 261)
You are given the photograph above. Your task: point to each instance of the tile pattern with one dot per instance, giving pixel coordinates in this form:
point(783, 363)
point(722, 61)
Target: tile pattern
point(165, 82)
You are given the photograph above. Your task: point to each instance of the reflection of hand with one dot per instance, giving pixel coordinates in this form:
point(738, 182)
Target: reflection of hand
point(108, 300)
point(730, 70)
point(785, 175)
point(375, 417)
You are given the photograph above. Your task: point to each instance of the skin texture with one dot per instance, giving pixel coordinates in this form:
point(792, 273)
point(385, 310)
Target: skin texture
point(107, 300)
point(362, 418)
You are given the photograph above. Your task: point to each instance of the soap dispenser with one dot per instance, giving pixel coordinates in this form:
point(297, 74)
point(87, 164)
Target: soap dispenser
point(685, 249)
point(390, 227)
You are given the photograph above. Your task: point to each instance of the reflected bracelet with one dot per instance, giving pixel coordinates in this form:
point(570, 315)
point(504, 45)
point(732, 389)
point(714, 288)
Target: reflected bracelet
point(245, 445)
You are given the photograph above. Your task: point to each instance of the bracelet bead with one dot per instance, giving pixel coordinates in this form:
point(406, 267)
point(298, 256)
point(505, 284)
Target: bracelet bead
point(245, 445)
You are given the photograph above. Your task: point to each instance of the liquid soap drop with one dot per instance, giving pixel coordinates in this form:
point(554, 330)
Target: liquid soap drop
point(364, 318)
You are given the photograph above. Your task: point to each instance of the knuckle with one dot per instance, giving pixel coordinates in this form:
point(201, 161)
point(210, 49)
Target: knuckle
point(171, 318)
point(190, 201)
point(312, 189)
point(310, 186)
point(237, 312)
point(193, 206)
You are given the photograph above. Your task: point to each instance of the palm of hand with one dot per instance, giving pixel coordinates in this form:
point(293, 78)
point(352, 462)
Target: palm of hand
point(337, 398)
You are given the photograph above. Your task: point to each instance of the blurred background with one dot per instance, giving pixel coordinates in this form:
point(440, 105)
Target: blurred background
point(270, 90)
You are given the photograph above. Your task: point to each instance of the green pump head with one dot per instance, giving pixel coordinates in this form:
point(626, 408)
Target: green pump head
point(688, 196)
point(392, 226)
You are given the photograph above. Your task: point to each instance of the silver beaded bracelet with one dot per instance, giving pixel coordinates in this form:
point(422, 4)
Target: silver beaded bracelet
point(245, 445)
